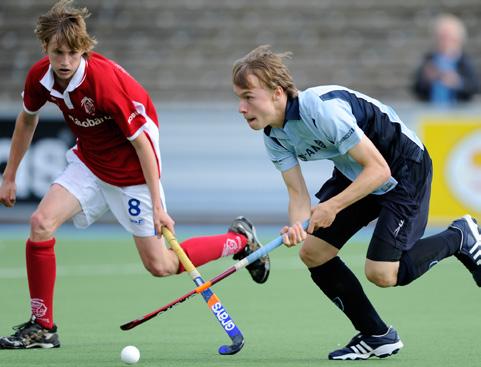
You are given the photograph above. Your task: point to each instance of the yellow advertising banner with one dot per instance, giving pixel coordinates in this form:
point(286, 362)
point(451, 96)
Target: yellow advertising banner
point(454, 144)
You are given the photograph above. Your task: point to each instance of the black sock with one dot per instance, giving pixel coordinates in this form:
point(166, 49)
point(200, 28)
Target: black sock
point(342, 287)
point(426, 253)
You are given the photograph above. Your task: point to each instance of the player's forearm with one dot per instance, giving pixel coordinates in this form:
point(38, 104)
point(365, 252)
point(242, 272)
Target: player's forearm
point(21, 139)
point(370, 178)
point(299, 208)
point(148, 162)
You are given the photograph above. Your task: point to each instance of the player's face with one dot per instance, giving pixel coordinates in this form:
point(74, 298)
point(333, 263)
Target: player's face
point(259, 105)
point(64, 61)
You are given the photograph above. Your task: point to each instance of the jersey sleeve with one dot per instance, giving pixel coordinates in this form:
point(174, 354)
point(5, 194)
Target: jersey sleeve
point(34, 96)
point(338, 124)
point(282, 157)
point(119, 102)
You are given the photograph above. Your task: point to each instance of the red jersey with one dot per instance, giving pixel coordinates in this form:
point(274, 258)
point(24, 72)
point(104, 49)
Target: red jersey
point(105, 108)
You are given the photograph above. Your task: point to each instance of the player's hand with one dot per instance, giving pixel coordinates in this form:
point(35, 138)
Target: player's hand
point(322, 216)
point(162, 219)
point(293, 235)
point(451, 79)
point(431, 72)
point(8, 190)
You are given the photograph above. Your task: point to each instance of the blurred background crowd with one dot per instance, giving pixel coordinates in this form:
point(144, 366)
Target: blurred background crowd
point(183, 49)
point(421, 56)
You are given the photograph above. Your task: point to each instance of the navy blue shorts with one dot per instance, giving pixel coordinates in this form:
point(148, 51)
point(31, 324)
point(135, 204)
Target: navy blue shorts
point(401, 213)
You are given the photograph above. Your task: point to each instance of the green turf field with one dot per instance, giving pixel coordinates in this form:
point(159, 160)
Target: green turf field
point(286, 322)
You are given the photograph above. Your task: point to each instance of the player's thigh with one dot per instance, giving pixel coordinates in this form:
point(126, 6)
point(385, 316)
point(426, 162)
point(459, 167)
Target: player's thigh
point(57, 206)
point(80, 182)
point(404, 213)
point(132, 207)
point(349, 220)
point(155, 256)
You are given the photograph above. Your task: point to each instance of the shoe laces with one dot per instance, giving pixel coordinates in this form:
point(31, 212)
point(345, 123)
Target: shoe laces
point(25, 329)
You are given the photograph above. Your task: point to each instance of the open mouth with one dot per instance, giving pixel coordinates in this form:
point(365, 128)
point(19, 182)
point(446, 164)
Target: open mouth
point(64, 71)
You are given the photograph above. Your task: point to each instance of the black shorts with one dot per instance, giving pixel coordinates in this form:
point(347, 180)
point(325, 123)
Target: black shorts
point(402, 213)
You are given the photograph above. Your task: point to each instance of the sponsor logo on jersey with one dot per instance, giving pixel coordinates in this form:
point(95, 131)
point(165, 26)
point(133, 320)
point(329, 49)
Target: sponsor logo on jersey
point(347, 136)
point(312, 150)
point(88, 105)
point(132, 116)
point(89, 122)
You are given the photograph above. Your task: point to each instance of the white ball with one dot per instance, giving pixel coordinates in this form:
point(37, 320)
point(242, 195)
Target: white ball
point(130, 354)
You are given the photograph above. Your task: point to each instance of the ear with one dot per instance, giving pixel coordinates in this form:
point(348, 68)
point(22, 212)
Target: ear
point(44, 46)
point(278, 93)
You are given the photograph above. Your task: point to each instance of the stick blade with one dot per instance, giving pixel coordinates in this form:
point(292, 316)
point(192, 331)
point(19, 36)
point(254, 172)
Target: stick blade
point(131, 324)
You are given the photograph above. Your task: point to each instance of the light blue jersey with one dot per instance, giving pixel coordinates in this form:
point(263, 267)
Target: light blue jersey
point(325, 122)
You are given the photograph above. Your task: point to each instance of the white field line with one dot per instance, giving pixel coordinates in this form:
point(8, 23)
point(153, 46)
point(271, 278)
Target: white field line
point(211, 269)
point(79, 270)
point(134, 269)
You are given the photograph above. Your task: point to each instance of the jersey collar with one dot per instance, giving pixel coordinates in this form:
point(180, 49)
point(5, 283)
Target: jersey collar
point(292, 110)
point(48, 82)
point(48, 79)
point(291, 113)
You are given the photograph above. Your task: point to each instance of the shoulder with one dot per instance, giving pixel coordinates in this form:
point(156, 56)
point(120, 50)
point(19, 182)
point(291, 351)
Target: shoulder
point(466, 60)
point(323, 93)
point(100, 66)
point(323, 100)
point(39, 69)
point(107, 73)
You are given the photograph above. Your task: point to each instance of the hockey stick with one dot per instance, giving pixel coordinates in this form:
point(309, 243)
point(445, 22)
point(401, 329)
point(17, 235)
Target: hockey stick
point(256, 255)
point(210, 298)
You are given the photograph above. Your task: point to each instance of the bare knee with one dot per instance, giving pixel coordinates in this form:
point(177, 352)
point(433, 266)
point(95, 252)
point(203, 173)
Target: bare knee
point(161, 266)
point(41, 227)
point(381, 278)
point(382, 273)
point(314, 257)
point(159, 270)
point(306, 256)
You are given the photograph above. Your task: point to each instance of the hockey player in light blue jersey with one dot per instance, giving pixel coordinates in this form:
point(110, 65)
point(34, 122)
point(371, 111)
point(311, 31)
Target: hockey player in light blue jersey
point(381, 171)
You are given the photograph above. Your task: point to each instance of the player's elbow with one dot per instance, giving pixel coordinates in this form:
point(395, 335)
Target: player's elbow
point(382, 174)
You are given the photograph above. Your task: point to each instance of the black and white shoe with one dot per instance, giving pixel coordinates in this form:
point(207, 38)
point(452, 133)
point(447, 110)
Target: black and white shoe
point(469, 252)
point(259, 270)
point(366, 346)
point(31, 335)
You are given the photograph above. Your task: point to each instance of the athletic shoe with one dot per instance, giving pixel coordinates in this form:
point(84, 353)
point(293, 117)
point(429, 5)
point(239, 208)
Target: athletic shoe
point(364, 347)
point(259, 269)
point(31, 335)
point(469, 252)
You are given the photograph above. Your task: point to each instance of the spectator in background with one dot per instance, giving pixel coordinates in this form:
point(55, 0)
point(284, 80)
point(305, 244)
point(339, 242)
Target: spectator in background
point(446, 75)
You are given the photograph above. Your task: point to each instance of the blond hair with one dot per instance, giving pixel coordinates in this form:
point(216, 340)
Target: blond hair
point(67, 26)
point(268, 67)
